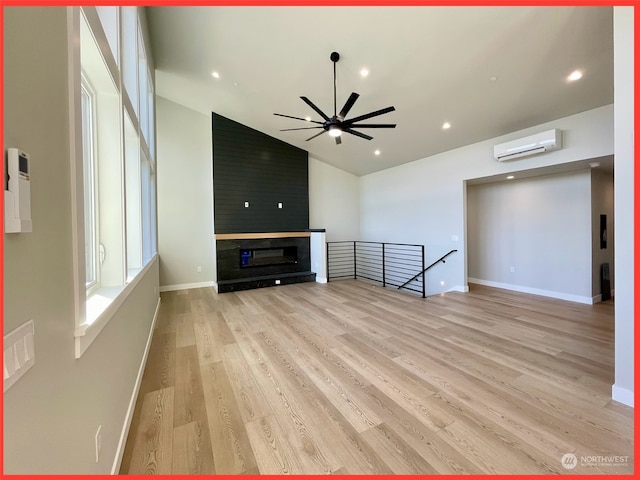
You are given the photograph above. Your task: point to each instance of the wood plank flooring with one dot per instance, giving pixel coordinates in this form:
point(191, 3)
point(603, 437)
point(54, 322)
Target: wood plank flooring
point(352, 378)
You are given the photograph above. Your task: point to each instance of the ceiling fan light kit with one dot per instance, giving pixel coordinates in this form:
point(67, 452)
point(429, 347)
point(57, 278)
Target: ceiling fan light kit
point(337, 124)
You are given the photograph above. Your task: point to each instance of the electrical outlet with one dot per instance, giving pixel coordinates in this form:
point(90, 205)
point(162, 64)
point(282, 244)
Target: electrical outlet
point(199, 269)
point(98, 443)
point(512, 269)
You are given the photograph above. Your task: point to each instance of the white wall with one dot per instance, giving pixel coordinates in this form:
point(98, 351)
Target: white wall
point(185, 197)
point(333, 201)
point(424, 201)
point(52, 413)
point(623, 35)
point(539, 226)
point(602, 204)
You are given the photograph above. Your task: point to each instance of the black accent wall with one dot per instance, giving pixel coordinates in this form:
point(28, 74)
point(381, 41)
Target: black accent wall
point(250, 166)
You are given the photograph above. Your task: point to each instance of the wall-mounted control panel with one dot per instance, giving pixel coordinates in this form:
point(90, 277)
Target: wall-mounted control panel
point(17, 192)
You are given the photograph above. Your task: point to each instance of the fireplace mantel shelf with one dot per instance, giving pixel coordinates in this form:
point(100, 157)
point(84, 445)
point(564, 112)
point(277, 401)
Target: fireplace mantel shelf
point(249, 236)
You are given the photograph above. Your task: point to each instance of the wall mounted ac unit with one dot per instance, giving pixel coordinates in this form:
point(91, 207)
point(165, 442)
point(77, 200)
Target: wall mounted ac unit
point(522, 147)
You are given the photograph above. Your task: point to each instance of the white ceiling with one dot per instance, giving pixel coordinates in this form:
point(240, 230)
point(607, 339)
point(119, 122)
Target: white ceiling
point(432, 63)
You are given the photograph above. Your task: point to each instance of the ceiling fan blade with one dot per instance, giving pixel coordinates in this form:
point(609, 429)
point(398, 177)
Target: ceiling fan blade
point(303, 128)
point(374, 125)
point(297, 118)
point(347, 106)
point(316, 135)
point(357, 134)
point(310, 103)
point(338, 140)
point(351, 121)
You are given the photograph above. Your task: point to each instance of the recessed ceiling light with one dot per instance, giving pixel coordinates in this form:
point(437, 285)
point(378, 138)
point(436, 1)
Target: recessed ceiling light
point(364, 72)
point(493, 79)
point(510, 177)
point(236, 84)
point(377, 152)
point(446, 125)
point(215, 74)
point(308, 119)
point(575, 75)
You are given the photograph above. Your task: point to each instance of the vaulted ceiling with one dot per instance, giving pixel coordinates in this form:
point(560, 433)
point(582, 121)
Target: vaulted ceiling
point(488, 71)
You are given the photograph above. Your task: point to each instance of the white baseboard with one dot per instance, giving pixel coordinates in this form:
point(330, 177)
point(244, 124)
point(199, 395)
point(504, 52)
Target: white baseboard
point(598, 298)
point(186, 286)
point(117, 461)
point(459, 288)
point(321, 279)
point(534, 291)
point(215, 286)
point(622, 395)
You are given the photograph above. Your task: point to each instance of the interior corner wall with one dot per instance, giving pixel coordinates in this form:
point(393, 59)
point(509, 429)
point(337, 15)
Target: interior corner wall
point(625, 177)
point(539, 227)
point(602, 204)
point(185, 197)
point(51, 414)
point(334, 201)
point(423, 202)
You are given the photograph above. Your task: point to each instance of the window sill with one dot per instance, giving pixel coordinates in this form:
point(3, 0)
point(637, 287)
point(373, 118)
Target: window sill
point(101, 307)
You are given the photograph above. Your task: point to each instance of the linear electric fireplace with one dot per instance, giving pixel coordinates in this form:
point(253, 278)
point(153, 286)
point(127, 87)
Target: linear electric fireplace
point(264, 257)
point(254, 260)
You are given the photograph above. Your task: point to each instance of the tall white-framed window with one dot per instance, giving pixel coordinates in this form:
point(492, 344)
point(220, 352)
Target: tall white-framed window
point(112, 162)
point(133, 208)
point(91, 244)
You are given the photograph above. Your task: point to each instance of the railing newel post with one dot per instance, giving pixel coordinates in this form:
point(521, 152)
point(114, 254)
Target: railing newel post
point(424, 290)
point(355, 261)
point(327, 260)
point(384, 276)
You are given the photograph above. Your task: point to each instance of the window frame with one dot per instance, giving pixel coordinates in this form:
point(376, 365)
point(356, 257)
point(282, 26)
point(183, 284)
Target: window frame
point(88, 91)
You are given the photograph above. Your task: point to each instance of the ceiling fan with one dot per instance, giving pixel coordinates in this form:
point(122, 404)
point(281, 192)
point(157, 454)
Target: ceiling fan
point(337, 124)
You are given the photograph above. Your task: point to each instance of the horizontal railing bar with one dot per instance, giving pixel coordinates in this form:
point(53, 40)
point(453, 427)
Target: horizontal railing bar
point(369, 268)
point(357, 242)
point(404, 275)
point(405, 264)
point(403, 255)
point(370, 272)
point(361, 242)
point(402, 271)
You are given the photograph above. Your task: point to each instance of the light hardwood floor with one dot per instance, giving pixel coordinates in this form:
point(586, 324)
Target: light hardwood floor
point(352, 378)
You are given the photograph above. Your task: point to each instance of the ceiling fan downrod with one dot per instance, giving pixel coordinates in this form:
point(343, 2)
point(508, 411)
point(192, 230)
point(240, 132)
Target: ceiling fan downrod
point(335, 56)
